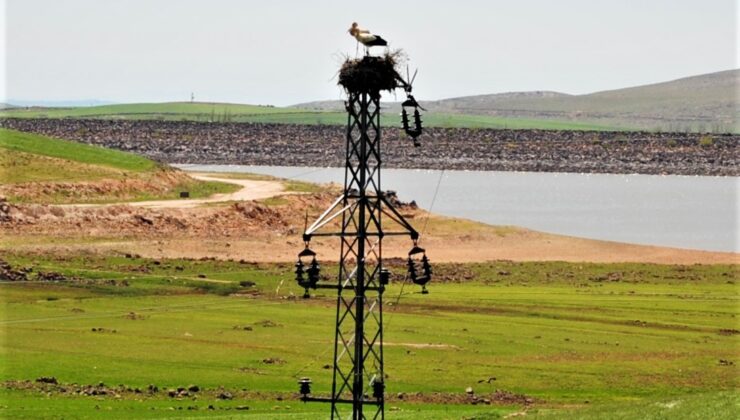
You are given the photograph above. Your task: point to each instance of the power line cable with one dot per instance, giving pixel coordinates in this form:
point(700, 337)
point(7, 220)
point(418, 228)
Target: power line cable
point(423, 230)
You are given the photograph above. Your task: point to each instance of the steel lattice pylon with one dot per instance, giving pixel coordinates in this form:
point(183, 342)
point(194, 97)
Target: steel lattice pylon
point(358, 350)
point(358, 379)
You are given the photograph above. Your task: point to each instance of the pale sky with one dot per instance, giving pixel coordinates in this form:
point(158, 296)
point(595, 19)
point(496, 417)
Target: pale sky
point(286, 52)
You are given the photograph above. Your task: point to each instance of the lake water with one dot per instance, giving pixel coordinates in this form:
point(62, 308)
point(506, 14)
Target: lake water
point(694, 212)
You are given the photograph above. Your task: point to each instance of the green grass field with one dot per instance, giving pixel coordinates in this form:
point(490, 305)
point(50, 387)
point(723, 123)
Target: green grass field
point(583, 340)
point(173, 110)
point(27, 158)
point(221, 112)
point(35, 144)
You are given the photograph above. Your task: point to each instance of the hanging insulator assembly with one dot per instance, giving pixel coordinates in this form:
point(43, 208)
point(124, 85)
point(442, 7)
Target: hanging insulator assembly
point(414, 132)
point(378, 388)
point(405, 120)
point(385, 276)
point(417, 120)
point(419, 270)
point(313, 271)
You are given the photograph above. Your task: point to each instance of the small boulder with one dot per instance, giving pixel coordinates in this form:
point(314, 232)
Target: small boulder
point(225, 395)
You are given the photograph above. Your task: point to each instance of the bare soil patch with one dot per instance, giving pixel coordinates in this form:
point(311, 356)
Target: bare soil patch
point(256, 231)
point(120, 187)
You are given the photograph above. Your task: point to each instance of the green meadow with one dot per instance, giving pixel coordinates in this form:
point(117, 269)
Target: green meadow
point(550, 340)
point(577, 340)
point(26, 158)
point(33, 144)
point(223, 112)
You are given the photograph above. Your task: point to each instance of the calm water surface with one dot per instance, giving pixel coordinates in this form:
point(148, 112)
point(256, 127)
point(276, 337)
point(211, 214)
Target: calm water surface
point(680, 211)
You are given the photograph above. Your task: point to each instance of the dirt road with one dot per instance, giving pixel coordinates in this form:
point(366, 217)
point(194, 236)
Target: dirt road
point(251, 190)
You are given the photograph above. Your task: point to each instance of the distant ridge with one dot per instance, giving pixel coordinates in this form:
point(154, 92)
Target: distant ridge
point(707, 102)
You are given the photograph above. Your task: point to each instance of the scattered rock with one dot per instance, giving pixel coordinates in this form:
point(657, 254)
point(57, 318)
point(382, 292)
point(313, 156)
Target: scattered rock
point(102, 330)
point(7, 273)
point(143, 220)
point(445, 148)
point(51, 277)
point(506, 397)
point(134, 316)
point(225, 395)
point(243, 327)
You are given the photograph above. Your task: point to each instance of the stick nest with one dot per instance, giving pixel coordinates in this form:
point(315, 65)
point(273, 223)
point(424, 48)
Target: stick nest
point(370, 74)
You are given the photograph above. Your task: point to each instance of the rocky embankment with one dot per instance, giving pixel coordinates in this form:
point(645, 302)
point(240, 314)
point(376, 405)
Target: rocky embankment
point(442, 148)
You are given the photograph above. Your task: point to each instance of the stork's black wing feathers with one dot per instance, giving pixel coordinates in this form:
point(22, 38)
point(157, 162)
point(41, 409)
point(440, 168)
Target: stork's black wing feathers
point(377, 42)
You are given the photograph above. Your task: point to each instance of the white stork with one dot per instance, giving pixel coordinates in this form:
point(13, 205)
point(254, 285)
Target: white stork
point(364, 37)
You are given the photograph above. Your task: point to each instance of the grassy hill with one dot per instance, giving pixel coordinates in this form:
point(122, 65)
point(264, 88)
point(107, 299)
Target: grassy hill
point(73, 152)
point(222, 112)
point(704, 103)
point(41, 169)
point(700, 103)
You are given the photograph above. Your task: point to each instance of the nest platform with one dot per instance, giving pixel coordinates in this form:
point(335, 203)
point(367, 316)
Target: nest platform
point(369, 74)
